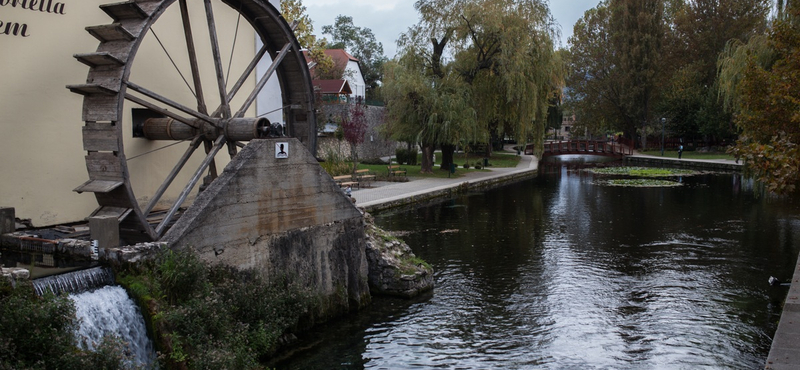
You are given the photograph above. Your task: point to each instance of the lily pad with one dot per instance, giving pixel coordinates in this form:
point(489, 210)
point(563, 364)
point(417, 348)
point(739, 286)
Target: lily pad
point(639, 183)
point(642, 171)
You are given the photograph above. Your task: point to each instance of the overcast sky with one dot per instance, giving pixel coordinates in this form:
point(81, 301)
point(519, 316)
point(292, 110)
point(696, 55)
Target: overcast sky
point(389, 18)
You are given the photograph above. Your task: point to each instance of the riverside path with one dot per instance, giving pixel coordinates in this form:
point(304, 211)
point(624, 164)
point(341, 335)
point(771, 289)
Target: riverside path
point(384, 195)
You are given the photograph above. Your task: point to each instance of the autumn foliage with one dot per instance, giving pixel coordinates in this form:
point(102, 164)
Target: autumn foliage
point(769, 113)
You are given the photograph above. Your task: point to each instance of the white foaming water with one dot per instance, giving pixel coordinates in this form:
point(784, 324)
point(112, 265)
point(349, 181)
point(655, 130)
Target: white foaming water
point(109, 311)
point(74, 282)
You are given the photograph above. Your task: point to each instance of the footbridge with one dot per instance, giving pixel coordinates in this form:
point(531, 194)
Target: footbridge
point(585, 147)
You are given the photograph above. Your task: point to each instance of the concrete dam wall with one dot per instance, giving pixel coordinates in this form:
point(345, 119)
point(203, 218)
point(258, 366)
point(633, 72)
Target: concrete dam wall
point(276, 210)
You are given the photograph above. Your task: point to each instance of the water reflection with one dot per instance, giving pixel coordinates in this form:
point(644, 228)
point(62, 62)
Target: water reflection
point(561, 273)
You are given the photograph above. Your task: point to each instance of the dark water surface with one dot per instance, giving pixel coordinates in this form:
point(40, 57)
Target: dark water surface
point(560, 273)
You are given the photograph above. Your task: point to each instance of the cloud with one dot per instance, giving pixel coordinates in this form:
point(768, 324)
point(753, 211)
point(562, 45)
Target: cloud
point(386, 19)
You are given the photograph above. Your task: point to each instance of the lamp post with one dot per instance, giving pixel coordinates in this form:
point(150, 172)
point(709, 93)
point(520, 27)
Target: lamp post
point(663, 121)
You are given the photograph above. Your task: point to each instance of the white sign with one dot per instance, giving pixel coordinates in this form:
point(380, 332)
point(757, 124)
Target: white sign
point(282, 150)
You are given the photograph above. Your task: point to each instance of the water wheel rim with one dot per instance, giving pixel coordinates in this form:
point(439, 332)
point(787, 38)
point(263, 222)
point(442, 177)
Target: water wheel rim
point(107, 93)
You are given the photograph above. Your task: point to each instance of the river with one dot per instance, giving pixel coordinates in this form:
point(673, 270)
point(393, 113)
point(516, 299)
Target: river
point(561, 273)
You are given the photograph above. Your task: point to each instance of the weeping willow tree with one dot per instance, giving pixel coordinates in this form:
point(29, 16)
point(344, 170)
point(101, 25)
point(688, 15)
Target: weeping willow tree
point(492, 59)
point(759, 82)
point(507, 57)
point(425, 108)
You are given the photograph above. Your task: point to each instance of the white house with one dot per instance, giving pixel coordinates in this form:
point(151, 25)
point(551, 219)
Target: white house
point(352, 71)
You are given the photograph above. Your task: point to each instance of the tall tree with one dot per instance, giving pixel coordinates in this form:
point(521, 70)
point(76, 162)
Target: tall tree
point(362, 44)
point(295, 11)
point(699, 31)
point(507, 56)
point(767, 101)
point(637, 33)
point(496, 54)
point(326, 69)
point(594, 87)
point(613, 65)
point(425, 108)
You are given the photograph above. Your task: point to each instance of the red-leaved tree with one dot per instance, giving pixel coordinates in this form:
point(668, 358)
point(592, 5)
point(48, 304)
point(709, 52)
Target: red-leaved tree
point(354, 127)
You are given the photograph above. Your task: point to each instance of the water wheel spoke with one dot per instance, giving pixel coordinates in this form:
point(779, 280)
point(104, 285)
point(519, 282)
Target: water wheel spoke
point(212, 31)
point(162, 111)
point(174, 173)
point(232, 150)
point(169, 102)
point(263, 81)
point(187, 31)
point(192, 182)
point(244, 77)
point(212, 167)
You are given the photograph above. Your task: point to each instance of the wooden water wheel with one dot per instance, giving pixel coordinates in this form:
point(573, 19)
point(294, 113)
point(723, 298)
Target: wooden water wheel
point(128, 118)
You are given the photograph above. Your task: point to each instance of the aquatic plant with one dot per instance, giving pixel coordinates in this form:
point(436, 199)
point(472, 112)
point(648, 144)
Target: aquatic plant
point(639, 183)
point(642, 171)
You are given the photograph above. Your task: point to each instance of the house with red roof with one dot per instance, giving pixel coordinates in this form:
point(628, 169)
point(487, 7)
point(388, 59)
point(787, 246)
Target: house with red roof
point(352, 71)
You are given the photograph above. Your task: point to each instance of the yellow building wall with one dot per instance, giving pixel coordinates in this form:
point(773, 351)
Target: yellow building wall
point(41, 151)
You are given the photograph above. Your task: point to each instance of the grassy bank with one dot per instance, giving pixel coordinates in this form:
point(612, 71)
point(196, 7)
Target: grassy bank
point(689, 154)
point(497, 160)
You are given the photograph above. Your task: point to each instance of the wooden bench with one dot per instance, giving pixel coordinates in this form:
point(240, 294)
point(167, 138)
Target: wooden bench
point(396, 170)
point(364, 175)
point(345, 181)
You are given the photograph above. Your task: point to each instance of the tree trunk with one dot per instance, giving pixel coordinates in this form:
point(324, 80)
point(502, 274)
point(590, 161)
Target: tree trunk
point(354, 157)
point(644, 135)
point(447, 156)
point(427, 158)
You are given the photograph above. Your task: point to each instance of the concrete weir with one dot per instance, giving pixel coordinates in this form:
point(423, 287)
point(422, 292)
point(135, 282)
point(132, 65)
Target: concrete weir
point(275, 209)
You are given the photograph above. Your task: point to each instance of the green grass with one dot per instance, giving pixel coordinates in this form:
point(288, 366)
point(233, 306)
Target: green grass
point(501, 160)
point(688, 154)
point(497, 160)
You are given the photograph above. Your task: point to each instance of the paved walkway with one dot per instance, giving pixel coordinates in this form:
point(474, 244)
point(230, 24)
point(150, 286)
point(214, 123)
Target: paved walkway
point(384, 193)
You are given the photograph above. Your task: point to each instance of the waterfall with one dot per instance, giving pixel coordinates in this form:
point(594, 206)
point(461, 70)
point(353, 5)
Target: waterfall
point(102, 309)
point(74, 282)
point(109, 311)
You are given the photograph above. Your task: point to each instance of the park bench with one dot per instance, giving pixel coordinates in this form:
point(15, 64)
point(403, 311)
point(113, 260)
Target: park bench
point(345, 181)
point(396, 170)
point(364, 176)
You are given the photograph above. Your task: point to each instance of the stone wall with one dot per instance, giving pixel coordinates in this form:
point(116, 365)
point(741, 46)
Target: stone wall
point(285, 217)
point(374, 145)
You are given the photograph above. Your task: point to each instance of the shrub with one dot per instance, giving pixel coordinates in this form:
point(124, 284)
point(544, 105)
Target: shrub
point(466, 165)
point(223, 319)
point(335, 164)
point(406, 156)
point(181, 276)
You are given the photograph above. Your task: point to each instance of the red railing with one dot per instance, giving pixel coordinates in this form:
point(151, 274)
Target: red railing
point(592, 147)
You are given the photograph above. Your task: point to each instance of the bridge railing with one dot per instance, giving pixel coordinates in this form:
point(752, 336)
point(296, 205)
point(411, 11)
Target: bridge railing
point(596, 147)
